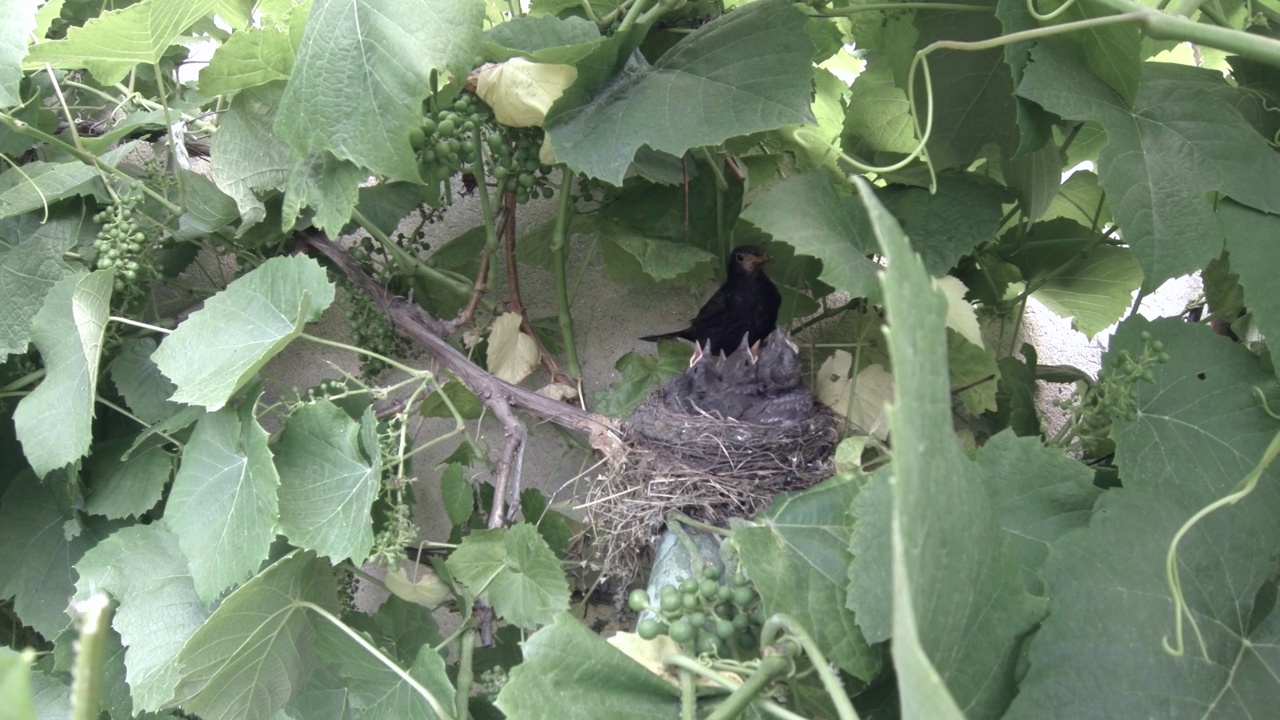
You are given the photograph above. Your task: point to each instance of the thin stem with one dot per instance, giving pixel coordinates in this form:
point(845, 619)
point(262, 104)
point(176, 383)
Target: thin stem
point(407, 261)
point(770, 668)
point(86, 682)
point(688, 696)
point(435, 704)
point(25, 380)
point(138, 420)
point(1046, 17)
point(361, 351)
point(168, 128)
point(62, 100)
point(559, 240)
point(633, 14)
point(890, 7)
point(831, 683)
point(466, 652)
point(23, 128)
point(486, 210)
point(686, 663)
point(135, 323)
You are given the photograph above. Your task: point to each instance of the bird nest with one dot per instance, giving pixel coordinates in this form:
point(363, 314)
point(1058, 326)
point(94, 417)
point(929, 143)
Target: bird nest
point(677, 455)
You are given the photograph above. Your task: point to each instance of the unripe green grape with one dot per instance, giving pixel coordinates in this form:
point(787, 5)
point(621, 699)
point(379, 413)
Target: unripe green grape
point(741, 621)
point(689, 601)
point(697, 618)
point(446, 128)
point(649, 628)
point(638, 600)
point(670, 602)
point(725, 629)
point(428, 126)
point(681, 631)
point(743, 596)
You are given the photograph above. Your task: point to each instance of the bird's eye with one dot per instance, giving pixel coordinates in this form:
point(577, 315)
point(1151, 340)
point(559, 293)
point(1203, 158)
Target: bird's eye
point(740, 257)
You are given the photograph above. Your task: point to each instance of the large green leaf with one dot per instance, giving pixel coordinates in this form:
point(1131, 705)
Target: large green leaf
point(325, 183)
point(743, 72)
point(28, 270)
point(44, 183)
point(812, 215)
point(255, 652)
point(245, 156)
point(1252, 239)
point(139, 381)
point(949, 224)
point(124, 485)
point(1075, 275)
point(516, 570)
point(222, 505)
point(879, 113)
point(208, 208)
point(1181, 141)
point(40, 541)
point(631, 257)
point(959, 604)
point(159, 610)
point(545, 39)
point(972, 100)
point(253, 319)
point(110, 45)
point(17, 20)
point(330, 472)
point(355, 684)
point(253, 56)
point(362, 72)
point(1197, 431)
point(1112, 52)
point(571, 673)
point(796, 554)
point(53, 422)
point(399, 626)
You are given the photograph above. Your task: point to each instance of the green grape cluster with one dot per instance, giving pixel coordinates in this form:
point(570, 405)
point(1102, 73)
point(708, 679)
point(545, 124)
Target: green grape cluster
point(1116, 393)
point(121, 243)
point(705, 616)
point(492, 680)
point(515, 163)
point(371, 330)
point(446, 141)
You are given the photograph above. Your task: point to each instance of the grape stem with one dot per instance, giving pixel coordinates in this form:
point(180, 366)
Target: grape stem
point(466, 651)
point(407, 261)
point(784, 623)
point(769, 669)
point(559, 239)
point(686, 663)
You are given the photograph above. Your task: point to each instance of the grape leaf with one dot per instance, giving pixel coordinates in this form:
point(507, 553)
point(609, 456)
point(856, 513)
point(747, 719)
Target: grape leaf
point(796, 554)
point(255, 652)
point(973, 367)
point(139, 381)
point(512, 355)
point(110, 45)
point(253, 319)
point(208, 208)
point(1198, 429)
point(516, 570)
point(570, 672)
point(40, 542)
point(743, 72)
point(28, 270)
point(367, 689)
point(809, 213)
point(631, 257)
point(959, 605)
point(222, 505)
point(640, 375)
point(114, 698)
point(252, 56)
point(143, 569)
point(53, 422)
point(972, 94)
point(1112, 52)
point(399, 626)
point(1251, 241)
point(323, 182)
point(948, 225)
point(45, 183)
point(380, 54)
point(15, 684)
point(879, 113)
point(245, 156)
point(330, 472)
point(871, 569)
point(50, 695)
point(457, 494)
point(17, 20)
point(1080, 199)
point(123, 485)
point(1181, 141)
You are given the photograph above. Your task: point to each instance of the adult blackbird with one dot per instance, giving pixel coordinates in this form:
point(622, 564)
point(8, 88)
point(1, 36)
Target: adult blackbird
point(747, 303)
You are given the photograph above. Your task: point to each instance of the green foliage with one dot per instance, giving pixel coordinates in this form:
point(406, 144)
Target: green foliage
point(965, 564)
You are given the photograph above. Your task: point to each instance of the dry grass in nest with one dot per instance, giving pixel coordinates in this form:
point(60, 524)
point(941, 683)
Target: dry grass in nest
point(703, 466)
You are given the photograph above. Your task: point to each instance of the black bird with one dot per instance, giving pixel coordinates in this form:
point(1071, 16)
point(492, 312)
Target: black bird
point(747, 303)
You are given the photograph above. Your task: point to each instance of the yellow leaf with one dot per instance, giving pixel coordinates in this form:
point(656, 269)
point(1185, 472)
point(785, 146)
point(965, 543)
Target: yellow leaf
point(512, 354)
point(420, 585)
point(872, 395)
point(649, 654)
point(521, 92)
point(961, 316)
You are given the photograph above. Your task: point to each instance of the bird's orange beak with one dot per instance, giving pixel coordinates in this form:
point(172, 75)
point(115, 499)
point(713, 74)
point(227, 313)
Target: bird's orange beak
point(754, 261)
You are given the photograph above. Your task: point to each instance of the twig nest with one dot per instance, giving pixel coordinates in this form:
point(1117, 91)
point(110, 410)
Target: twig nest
point(682, 450)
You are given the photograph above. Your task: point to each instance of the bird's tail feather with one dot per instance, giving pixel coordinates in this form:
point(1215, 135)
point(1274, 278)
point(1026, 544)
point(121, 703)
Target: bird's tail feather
point(664, 336)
